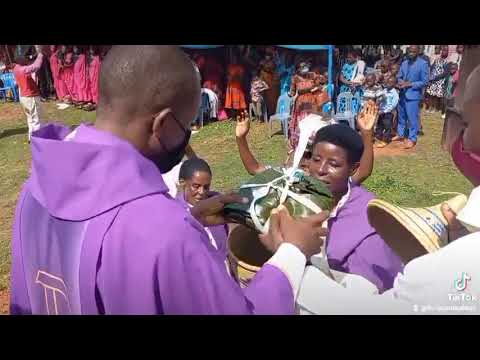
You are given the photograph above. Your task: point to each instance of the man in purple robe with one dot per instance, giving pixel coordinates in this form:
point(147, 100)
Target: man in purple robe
point(95, 230)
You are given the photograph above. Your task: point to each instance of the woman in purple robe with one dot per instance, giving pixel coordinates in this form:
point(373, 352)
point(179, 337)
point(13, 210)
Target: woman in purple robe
point(195, 178)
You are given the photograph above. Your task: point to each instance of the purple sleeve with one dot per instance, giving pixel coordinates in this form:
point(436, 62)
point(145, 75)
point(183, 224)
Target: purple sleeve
point(37, 64)
point(167, 265)
point(19, 301)
point(202, 286)
point(375, 261)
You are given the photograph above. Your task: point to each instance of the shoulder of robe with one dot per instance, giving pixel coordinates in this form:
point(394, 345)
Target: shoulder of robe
point(358, 201)
point(158, 221)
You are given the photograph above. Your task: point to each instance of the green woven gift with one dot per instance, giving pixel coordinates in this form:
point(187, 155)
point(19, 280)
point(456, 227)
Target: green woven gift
point(302, 195)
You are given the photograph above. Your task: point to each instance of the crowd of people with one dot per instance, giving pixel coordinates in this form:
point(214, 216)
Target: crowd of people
point(64, 73)
point(117, 262)
point(255, 76)
point(409, 81)
point(400, 79)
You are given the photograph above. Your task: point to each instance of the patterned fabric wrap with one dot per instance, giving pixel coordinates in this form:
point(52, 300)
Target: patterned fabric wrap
point(264, 198)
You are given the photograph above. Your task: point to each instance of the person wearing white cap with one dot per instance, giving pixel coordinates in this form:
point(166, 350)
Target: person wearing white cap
point(446, 281)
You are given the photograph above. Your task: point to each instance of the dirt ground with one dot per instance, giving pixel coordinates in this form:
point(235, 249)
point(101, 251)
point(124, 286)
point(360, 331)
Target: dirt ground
point(4, 302)
point(393, 149)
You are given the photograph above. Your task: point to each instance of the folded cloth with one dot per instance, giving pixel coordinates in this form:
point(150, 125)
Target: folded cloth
point(301, 195)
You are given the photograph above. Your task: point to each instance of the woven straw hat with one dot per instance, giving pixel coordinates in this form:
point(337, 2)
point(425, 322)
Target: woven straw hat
point(412, 232)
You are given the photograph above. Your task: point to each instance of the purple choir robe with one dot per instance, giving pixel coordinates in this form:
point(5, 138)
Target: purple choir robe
point(96, 232)
point(219, 232)
point(354, 247)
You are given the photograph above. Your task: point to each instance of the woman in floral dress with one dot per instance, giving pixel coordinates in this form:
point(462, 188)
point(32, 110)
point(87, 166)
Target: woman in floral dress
point(436, 88)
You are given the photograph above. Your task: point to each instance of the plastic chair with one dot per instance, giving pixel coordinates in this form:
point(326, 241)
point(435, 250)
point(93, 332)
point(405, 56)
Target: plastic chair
point(204, 109)
point(344, 109)
point(282, 114)
point(9, 83)
point(328, 107)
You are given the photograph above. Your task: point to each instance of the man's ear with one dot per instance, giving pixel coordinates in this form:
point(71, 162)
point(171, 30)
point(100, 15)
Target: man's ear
point(158, 124)
point(354, 168)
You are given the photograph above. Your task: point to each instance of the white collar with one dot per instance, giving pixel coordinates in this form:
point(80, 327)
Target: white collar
point(342, 201)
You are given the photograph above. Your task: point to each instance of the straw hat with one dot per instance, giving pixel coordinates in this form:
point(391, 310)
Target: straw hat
point(412, 232)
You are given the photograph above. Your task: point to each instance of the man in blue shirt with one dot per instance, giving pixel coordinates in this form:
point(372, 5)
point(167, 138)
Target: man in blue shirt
point(412, 79)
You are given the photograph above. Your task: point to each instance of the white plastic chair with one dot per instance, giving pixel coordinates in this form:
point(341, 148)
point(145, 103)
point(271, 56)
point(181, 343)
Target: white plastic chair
point(344, 109)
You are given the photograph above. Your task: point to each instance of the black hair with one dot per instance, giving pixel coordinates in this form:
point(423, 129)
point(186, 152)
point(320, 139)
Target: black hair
point(343, 136)
point(191, 166)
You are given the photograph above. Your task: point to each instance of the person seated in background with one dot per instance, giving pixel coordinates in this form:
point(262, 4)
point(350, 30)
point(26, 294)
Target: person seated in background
point(195, 178)
point(371, 90)
point(257, 87)
point(388, 103)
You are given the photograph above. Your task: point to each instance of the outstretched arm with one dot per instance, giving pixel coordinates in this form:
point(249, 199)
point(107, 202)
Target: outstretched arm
point(366, 121)
point(37, 64)
point(249, 162)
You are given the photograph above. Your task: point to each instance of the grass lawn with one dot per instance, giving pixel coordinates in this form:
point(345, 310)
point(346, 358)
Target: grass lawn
point(407, 179)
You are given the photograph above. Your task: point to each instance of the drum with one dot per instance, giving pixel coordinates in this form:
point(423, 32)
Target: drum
point(246, 253)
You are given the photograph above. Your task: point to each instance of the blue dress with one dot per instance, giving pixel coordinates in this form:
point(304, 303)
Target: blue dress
point(349, 71)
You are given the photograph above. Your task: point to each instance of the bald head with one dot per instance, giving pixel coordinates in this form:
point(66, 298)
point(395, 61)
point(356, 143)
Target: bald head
point(144, 79)
point(413, 52)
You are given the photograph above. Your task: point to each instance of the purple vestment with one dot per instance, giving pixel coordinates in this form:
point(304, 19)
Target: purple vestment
point(353, 246)
point(96, 232)
point(219, 232)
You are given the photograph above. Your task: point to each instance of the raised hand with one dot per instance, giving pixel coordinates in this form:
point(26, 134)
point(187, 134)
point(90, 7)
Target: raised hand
point(367, 117)
point(243, 127)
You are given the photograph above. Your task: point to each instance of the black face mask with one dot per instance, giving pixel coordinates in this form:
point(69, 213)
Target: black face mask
point(175, 155)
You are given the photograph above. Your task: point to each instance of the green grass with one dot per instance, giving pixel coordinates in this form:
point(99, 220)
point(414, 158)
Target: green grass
point(408, 180)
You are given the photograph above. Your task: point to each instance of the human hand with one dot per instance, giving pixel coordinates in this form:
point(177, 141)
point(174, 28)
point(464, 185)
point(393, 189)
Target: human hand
point(455, 228)
point(243, 127)
point(367, 117)
point(306, 233)
point(209, 212)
